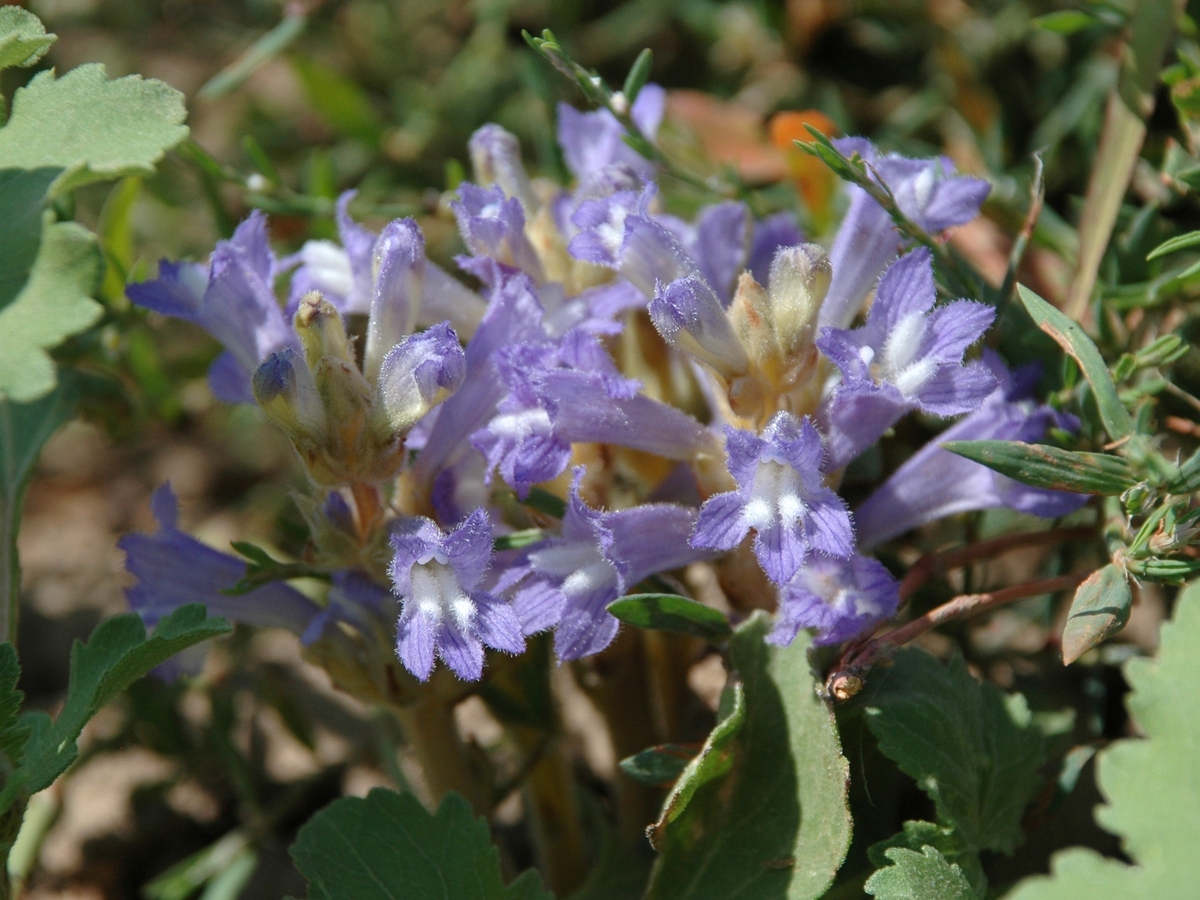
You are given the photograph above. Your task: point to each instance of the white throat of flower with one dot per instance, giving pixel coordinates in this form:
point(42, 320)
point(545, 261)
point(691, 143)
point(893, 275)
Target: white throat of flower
point(329, 267)
point(437, 594)
point(896, 363)
point(580, 565)
point(835, 585)
point(520, 425)
point(776, 496)
point(611, 231)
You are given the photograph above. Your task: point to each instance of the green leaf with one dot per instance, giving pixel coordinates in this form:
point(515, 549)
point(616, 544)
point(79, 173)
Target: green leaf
point(1044, 466)
point(659, 765)
point(1100, 610)
point(267, 47)
point(639, 74)
point(1149, 783)
point(919, 876)
point(22, 200)
point(1175, 244)
point(54, 303)
point(91, 128)
point(24, 429)
point(776, 825)
point(341, 102)
point(1066, 21)
point(117, 654)
point(388, 847)
point(973, 750)
point(23, 38)
point(916, 835)
point(671, 612)
point(13, 734)
point(714, 760)
point(1068, 335)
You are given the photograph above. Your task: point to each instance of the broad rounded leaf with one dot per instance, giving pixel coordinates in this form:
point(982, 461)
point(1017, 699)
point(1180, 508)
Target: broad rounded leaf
point(919, 876)
point(91, 128)
point(386, 846)
point(23, 38)
point(1150, 783)
point(116, 655)
point(776, 825)
point(54, 303)
point(973, 750)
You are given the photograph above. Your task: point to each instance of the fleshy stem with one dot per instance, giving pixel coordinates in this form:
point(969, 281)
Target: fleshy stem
point(445, 761)
point(846, 680)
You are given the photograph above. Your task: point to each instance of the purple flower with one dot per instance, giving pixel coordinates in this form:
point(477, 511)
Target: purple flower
point(593, 141)
point(927, 192)
point(232, 299)
point(771, 235)
point(935, 483)
point(780, 496)
point(398, 263)
point(343, 275)
point(436, 576)
point(719, 242)
point(389, 269)
point(173, 569)
point(566, 583)
point(419, 373)
point(496, 159)
point(570, 392)
point(840, 598)
point(493, 224)
point(908, 355)
point(690, 318)
point(618, 231)
point(514, 316)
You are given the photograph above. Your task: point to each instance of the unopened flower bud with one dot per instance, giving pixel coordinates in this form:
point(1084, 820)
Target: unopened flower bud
point(688, 315)
point(322, 334)
point(285, 389)
point(496, 159)
point(399, 275)
point(799, 280)
point(417, 375)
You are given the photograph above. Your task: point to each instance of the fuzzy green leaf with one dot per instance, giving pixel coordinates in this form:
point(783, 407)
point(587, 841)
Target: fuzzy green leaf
point(117, 654)
point(776, 825)
point(388, 847)
point(13, 735)
point(670, 612)
point(91, 128)
point(54, 303)
point(973, 750)
point(1100, 610)
point(1075, 342)
point(917, 835)
point(919, 876)
point(1150, 783)
point(23, 38)
point(1044, 466)
point(714, 759)
point(24, 430)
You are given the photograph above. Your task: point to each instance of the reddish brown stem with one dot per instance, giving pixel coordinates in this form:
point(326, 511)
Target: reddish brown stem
point(931, 563)
point(846, 680)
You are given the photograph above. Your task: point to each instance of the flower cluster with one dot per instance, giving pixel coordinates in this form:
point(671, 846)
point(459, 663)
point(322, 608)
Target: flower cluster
point(722, 432)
